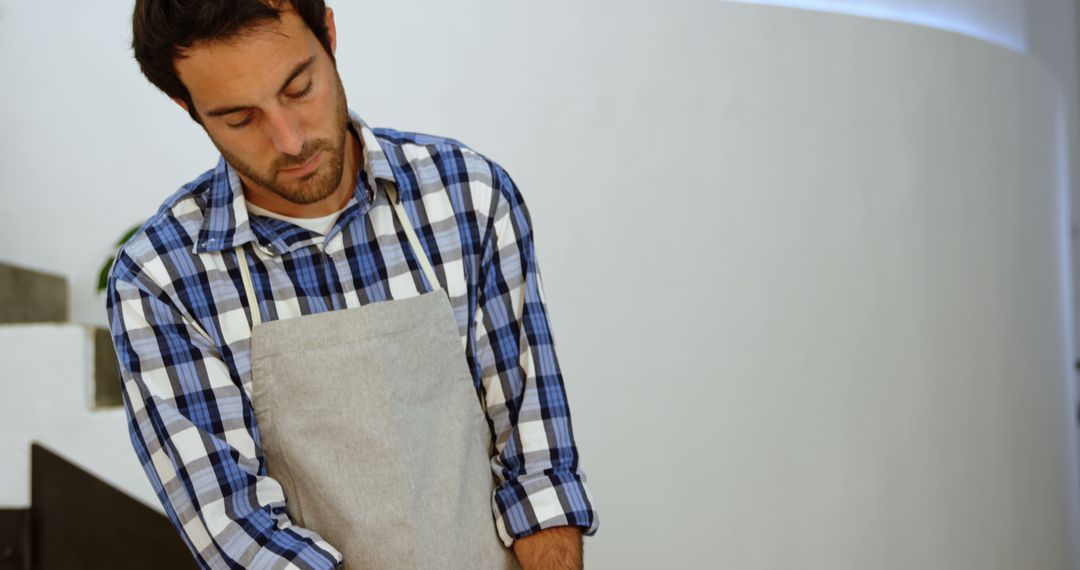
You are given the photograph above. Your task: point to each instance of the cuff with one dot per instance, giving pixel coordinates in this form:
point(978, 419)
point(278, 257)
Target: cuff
point(532, 503)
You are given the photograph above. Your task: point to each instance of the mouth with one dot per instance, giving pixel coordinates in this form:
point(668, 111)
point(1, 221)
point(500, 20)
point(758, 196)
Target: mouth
point(306, 168)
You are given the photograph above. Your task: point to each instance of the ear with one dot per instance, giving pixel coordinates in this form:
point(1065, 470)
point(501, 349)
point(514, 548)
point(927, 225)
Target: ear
point(331, 30)
point(180, 102)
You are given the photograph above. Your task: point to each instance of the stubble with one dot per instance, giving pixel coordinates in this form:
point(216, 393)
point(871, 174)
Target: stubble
point(317, 186)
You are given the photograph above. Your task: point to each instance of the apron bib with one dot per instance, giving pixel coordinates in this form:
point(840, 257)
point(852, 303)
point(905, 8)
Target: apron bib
point(370, 421)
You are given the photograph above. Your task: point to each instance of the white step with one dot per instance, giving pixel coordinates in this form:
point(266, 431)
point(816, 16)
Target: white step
point(47, 379)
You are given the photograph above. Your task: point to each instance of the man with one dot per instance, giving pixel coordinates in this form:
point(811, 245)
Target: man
point(334, 345)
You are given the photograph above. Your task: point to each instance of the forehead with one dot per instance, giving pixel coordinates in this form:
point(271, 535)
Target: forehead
point(251, 64)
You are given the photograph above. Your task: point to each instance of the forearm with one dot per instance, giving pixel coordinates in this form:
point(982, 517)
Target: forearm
point(555, 548)
point(201, 463)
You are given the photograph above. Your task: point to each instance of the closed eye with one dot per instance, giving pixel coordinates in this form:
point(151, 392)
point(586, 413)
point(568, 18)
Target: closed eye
point(298, 95)
point(241, 124)
point(302, 93)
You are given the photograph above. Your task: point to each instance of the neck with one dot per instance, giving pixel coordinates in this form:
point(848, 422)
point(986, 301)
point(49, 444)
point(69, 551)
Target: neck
point(332, 203)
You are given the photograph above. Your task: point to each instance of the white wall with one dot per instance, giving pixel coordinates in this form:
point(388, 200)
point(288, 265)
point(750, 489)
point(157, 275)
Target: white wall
point(47, 399)
point(1001, 22)
point(805, 270)
point(1052, 39)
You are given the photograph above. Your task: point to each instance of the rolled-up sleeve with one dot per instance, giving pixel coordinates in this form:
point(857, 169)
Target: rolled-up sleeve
point(193, 431)
point(540, 483)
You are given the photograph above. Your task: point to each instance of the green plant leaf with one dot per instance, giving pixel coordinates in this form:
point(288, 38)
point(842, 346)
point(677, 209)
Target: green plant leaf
point(103, 274)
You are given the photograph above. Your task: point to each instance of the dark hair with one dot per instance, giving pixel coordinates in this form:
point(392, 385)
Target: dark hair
point(162, 29)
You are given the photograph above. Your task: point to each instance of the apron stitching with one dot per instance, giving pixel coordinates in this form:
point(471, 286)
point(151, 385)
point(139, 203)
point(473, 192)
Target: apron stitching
point(337, 342)
point(266, 425)
point(286, 471)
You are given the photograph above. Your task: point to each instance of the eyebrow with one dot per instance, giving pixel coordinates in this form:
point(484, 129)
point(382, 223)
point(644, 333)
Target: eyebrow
point(300, 68)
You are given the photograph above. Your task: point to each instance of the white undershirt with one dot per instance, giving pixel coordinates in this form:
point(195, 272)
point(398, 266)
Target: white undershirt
point(319, 225)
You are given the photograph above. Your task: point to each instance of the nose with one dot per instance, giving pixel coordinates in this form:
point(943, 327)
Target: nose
point(285, 131)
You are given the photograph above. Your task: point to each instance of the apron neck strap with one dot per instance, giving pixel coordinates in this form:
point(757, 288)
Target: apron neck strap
point(249, 290)
point(403, 218)
point(418, 250)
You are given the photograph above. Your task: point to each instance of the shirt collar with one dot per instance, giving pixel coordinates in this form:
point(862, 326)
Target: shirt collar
point(225, 216)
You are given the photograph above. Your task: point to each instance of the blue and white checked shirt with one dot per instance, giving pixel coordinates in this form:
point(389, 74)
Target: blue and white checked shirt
point(180, 324)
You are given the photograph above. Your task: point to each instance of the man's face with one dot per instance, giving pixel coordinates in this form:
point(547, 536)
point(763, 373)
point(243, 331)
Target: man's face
point(272, 103)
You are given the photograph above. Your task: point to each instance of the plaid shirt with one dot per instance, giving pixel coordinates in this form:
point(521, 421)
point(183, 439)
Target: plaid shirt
point(180, 324)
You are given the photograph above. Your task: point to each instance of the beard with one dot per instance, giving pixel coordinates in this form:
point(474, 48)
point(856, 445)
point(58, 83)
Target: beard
point(313, 187)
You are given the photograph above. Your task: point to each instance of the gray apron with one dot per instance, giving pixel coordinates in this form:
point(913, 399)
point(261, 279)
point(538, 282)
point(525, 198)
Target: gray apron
point(369, 420)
